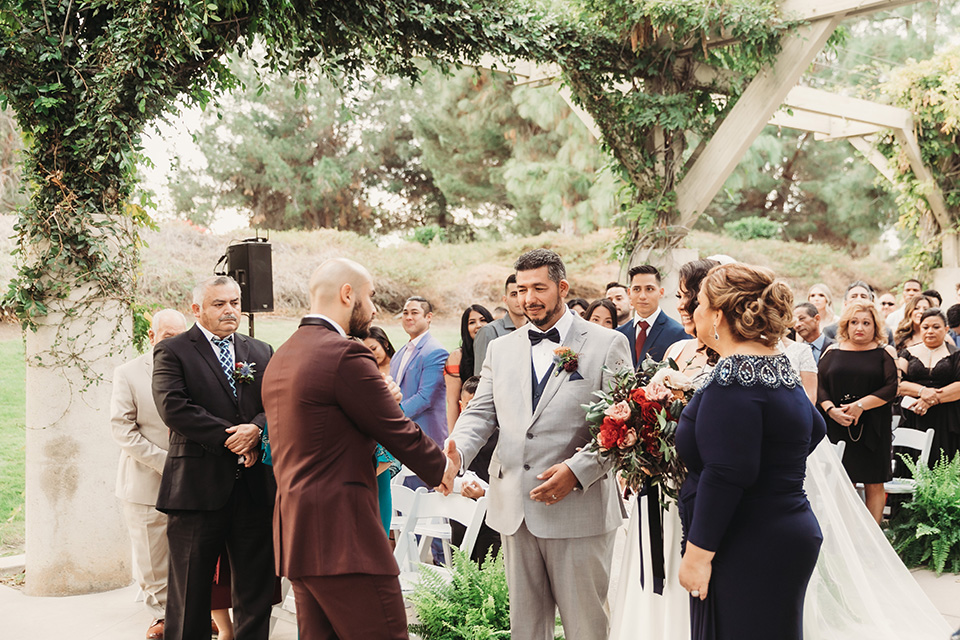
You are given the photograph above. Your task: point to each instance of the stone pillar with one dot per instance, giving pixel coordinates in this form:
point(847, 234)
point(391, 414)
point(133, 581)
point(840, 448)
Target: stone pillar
point(945, 281)
point(76, 541)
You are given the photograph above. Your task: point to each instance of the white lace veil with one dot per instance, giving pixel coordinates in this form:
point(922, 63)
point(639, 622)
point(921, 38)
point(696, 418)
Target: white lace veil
point(860, 589)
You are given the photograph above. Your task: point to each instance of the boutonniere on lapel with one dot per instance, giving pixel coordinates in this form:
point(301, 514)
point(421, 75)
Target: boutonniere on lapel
point(243, 372)
point(566, 359)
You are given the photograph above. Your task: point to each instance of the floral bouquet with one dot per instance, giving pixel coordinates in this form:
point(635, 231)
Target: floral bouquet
point(635, 423)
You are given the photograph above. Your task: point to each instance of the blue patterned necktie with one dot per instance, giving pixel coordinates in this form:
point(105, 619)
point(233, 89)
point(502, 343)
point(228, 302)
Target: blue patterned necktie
point(226, 360)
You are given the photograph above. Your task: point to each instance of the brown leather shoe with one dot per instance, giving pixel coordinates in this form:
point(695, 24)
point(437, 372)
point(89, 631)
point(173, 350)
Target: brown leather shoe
point(155, 632)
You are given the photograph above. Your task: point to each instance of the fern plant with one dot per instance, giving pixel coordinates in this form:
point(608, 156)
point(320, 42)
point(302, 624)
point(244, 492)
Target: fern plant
point(927, 529)
point(471, 604)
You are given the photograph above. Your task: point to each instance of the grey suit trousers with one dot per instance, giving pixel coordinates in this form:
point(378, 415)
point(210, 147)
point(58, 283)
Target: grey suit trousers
point(571, 574)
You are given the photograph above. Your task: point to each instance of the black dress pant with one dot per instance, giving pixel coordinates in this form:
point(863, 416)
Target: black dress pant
point(244, 528)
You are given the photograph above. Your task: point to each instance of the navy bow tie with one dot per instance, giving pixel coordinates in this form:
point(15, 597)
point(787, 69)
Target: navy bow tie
point(536, 337)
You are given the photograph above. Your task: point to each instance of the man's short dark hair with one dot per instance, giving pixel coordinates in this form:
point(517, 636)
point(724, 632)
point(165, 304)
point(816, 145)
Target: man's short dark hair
point(616, 285)
point(809, 308)
point(511, 279)
point(953, 316)
point(644, 269)
point(424, 303)
point(933, 293)
point(470, 385)
point(919, 284)
point(542, 258)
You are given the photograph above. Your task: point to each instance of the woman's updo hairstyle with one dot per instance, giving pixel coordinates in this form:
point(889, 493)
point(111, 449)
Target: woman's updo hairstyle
point(757, 306)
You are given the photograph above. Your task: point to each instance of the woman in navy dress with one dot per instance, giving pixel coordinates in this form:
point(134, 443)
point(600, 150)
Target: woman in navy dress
point(751, 540)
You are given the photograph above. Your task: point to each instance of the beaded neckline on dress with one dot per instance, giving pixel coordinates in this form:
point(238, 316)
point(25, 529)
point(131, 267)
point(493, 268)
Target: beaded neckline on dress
point(748, 370)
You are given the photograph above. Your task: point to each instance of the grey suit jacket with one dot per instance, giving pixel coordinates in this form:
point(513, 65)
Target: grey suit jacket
point(486, 335)
point(138, 429)
point(532, 441)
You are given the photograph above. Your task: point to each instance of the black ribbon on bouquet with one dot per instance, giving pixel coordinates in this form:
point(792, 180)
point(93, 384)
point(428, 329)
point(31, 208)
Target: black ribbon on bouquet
point(654, 516)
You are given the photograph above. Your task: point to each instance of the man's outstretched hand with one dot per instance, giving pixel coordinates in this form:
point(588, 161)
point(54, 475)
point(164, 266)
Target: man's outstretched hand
point(453, 467)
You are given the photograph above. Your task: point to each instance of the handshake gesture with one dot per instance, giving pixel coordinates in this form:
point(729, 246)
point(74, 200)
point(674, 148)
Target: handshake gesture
point(453, 467)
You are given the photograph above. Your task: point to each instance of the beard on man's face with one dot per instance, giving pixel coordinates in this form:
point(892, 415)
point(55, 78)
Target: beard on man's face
point(359, 324)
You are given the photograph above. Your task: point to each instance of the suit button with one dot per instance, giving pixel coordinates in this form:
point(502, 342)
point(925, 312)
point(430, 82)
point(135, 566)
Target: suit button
point(526, 467)
point(529, 436)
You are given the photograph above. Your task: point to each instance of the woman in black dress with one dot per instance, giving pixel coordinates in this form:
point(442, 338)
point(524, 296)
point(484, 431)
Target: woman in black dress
point(926, 367)
point(751, 540)
point(857, 381)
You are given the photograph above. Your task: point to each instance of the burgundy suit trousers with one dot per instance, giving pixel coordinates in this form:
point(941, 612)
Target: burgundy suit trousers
point(350, 607)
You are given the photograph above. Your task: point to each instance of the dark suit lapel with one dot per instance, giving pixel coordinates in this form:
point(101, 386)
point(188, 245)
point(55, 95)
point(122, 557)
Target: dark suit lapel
point(630, 331)
point(574, 342)
point(241, 351)
point(654, 333)
point(205, 349)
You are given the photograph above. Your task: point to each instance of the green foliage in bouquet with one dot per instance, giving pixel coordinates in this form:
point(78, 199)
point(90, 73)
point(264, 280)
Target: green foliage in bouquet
point(927, 529)
point(473, 604)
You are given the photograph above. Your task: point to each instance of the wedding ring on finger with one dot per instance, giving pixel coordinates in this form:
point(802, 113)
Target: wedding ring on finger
point(554, 496)
point(695, 593)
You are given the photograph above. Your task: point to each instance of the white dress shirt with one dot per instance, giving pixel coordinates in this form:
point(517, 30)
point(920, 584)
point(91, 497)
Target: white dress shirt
point(216, 350)
point(408, 350)
point(326, 319)
point(542, 354)
point(649, 320)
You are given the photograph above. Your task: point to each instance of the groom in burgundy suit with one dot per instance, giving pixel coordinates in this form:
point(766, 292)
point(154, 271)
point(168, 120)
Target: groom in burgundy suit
point(327, 407)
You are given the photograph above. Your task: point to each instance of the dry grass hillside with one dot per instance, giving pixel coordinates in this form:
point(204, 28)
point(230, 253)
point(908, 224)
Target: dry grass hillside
point(454, 276)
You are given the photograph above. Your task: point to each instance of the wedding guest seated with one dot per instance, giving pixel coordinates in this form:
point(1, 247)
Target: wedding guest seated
point(460, 363)
point(579, 305)
point(857, 381)
point(926, 367)
point(908, 331)
point(603, 313)
point(387, 466)
point(858, 290)
point(474, 485)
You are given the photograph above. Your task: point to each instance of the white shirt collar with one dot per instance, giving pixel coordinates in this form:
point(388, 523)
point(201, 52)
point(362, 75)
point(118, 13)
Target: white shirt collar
point(415, 341)
point(650, 320)
point(210, 337)
point(332, 322)
point(562, 325)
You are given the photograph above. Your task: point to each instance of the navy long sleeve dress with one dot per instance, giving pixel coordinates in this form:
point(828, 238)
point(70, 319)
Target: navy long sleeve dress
point(745, 438)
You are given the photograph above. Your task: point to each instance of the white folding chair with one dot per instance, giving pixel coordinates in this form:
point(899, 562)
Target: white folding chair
point(286, 609)
point(922, 441)
point(404, 501)
point(402, 475)
point(431, 505)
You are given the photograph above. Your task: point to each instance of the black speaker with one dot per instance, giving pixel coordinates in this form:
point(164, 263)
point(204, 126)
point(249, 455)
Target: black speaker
point(251, 265)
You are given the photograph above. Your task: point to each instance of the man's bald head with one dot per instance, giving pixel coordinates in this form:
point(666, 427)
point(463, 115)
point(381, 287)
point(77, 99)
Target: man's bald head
point(166, 323)
point(327, 283)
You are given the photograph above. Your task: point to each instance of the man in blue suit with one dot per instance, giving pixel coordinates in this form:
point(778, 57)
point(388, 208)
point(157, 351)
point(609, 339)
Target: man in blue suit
point(418, 368)
point(651, 331)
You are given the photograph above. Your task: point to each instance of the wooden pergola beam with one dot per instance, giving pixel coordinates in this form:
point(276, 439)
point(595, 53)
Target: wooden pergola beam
point(847, 108)
point(761, 99)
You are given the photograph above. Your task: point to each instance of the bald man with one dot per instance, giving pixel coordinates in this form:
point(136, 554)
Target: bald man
point(327, 406)
point(143, 440)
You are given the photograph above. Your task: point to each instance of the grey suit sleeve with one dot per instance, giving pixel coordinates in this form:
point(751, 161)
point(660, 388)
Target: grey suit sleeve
point(478, 421)
point(590, 466)
point(480, 343)
point(124, 426)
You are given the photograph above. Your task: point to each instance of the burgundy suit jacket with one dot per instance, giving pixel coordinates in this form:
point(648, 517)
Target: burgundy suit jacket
point(327, 406)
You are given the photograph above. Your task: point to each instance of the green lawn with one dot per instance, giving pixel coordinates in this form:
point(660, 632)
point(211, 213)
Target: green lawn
point(13, 412)
point(12, 446)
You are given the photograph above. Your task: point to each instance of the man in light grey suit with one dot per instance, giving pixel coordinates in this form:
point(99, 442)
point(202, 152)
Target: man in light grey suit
point(144, 440)
point(555, 504)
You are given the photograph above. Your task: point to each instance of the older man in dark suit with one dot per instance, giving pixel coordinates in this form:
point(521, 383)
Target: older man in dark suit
point(215, 491)
point(651, 331)
point(328, 406)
